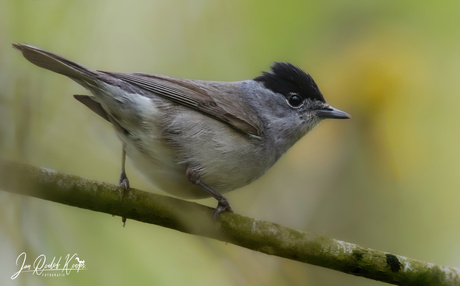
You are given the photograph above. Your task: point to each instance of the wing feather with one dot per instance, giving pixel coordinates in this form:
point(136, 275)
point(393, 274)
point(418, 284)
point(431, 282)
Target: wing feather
point(210, 100)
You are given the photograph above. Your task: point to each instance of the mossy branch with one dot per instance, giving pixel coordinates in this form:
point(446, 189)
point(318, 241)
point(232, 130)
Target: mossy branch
point(247, 232)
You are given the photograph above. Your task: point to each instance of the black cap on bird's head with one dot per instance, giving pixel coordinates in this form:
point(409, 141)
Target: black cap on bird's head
point(298, 86)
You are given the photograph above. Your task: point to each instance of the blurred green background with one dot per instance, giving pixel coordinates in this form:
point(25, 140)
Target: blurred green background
point(386, 179)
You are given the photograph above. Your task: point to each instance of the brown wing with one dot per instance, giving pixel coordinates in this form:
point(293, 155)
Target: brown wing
point(216, 100)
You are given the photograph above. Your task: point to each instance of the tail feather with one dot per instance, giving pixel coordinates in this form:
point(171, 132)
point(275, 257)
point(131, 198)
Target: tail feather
point(55, 63)
point(95, 106)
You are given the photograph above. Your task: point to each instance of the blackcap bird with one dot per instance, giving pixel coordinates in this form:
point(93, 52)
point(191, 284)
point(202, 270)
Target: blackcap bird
point(195, 138)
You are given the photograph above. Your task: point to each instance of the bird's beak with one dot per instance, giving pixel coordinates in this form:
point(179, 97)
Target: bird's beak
point(331, 112)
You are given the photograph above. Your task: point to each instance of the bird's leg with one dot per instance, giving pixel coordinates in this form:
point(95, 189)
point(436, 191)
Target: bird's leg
point(222, 203)
point(123, 182)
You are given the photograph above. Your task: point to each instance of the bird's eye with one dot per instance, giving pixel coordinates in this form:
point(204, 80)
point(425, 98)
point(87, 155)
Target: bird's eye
point(295, 100)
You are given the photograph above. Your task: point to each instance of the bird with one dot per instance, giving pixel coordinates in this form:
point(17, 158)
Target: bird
point(196, 138)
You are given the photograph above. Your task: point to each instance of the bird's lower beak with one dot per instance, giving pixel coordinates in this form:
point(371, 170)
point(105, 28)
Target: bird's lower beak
point(331, 112)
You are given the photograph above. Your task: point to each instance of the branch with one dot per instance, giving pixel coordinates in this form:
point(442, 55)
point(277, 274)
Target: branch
point(266, 237)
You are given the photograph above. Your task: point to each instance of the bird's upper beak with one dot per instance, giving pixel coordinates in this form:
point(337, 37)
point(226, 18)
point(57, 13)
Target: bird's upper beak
point(331, 112)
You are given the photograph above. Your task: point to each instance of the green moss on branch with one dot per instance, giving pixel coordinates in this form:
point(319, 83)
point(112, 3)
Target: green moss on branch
point(263, 236)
